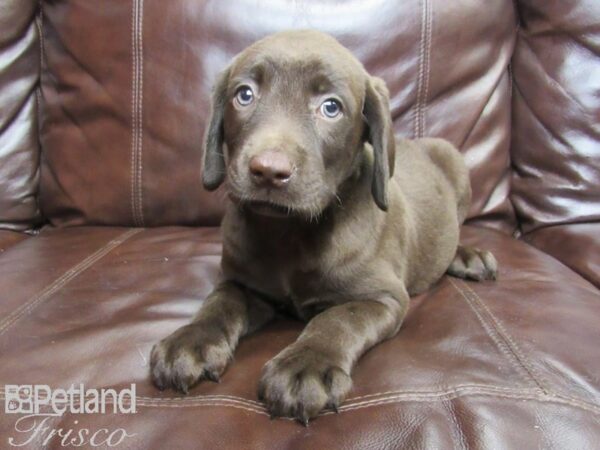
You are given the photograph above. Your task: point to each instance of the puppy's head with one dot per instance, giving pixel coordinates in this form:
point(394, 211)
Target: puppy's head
point(290, 118)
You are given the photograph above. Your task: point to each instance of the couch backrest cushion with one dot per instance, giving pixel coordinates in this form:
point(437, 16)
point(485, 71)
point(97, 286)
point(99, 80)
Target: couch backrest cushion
point(126, 89)
point(19, 148)
point(556, 126)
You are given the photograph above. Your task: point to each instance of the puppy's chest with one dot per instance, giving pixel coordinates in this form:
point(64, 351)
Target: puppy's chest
point(293, 277)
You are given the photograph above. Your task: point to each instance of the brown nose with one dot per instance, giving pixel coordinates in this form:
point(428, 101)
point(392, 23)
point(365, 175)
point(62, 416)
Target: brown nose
point(271, 167)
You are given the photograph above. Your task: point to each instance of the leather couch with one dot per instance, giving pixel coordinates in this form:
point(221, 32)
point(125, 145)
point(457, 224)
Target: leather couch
point(108, 241)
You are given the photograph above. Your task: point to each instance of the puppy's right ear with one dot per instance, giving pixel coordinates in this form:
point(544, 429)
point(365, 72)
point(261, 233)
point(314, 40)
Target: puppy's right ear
point(214, 159)
point(381, 135)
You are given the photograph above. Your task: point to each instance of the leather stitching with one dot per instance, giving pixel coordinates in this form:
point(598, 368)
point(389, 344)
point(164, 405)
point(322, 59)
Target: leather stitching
point(140, 19)
point(524, 361)
point(450, 394)
point(496, 337)
point(419, 71)
point(136, 112)
point(65, 278)
point(514, 348)
point(454, 418)
point(427, 69)
point(224, 397)
point(423, 70)
point(429, 391)
point(133, 112)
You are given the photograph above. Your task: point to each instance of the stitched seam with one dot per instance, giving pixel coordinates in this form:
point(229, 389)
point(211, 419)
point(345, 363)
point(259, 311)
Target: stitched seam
point(350, 399)
point(65, 278)
point(201, 397)
point(133, 112)
point(496, 338)
point(443, 396)
point(140, 21)
point(254, 410)
point(523, 360)
point(136, 133)
point(450, 408)
point(224, 397)
point(426, 67)
point(458, 386)
point(416, 114)
point(199, 401)
point(450, 396)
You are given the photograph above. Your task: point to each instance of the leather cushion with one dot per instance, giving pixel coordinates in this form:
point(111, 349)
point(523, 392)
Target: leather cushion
point(125, 103)
point(10, 238)
point(19, 148)
point(556, 136)
point(511, 363)
point(577, 245)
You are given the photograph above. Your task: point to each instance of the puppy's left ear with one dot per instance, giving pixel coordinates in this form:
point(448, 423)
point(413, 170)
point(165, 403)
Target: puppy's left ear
point(381, 136)
point(213, 173)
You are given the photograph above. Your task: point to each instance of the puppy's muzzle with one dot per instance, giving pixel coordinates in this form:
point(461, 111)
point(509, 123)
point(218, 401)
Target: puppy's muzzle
point(271, 168)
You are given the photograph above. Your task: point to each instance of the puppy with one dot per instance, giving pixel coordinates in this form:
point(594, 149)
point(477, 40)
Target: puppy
point(328, 218)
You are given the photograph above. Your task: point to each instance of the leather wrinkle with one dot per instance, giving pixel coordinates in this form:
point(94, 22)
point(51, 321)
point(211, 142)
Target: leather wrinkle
point(552, 81)
point(482, 109)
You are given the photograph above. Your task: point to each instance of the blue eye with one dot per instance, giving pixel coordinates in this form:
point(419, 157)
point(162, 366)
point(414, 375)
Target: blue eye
point(244, 96)
point(331, 108)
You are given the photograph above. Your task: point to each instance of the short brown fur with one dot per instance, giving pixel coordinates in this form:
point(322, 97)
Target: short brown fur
point(342, 243)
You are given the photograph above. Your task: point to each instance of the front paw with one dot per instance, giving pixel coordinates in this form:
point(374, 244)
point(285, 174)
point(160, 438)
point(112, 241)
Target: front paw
point(189, 355)
point(300, 382)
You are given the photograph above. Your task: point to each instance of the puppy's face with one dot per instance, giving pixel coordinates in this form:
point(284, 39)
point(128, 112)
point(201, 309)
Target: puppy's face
point(291, 122)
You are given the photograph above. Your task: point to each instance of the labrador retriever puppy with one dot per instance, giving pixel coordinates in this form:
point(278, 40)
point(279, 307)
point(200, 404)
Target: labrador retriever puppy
point(329, 218)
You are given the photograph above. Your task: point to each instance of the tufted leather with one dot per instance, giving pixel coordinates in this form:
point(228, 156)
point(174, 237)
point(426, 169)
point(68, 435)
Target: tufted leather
point(122, 107)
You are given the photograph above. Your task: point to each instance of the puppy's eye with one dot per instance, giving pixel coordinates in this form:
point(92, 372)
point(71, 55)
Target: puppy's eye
point(244, 96)
point(331, 108)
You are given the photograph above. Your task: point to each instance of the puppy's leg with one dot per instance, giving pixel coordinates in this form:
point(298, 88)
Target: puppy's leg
point(202, 349)
point(314, 372)
point(474, 264)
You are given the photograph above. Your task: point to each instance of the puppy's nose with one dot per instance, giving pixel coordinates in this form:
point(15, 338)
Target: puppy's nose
point(271, 167)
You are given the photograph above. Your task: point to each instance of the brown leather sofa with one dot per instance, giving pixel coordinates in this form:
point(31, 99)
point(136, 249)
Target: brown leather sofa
point(108, 241)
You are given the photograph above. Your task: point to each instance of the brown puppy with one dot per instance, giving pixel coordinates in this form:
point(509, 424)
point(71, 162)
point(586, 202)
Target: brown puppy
point(316, 224)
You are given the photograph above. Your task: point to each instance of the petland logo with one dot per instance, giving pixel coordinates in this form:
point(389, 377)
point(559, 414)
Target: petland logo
point(39, 404)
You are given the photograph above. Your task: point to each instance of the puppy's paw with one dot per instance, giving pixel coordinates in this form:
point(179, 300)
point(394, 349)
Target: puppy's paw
point(473, 264)
point(189, 355)
point(300, 382)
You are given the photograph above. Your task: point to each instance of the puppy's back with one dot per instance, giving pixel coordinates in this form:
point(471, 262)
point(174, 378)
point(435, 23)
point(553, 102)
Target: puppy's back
point(431, 180)
point(426, 162)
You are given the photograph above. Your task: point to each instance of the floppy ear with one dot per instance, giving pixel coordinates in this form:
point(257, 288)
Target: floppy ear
point(381, 136)
point(214, 159)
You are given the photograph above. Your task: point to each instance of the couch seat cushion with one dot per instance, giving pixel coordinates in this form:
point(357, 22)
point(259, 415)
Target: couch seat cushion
point(506, 364)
